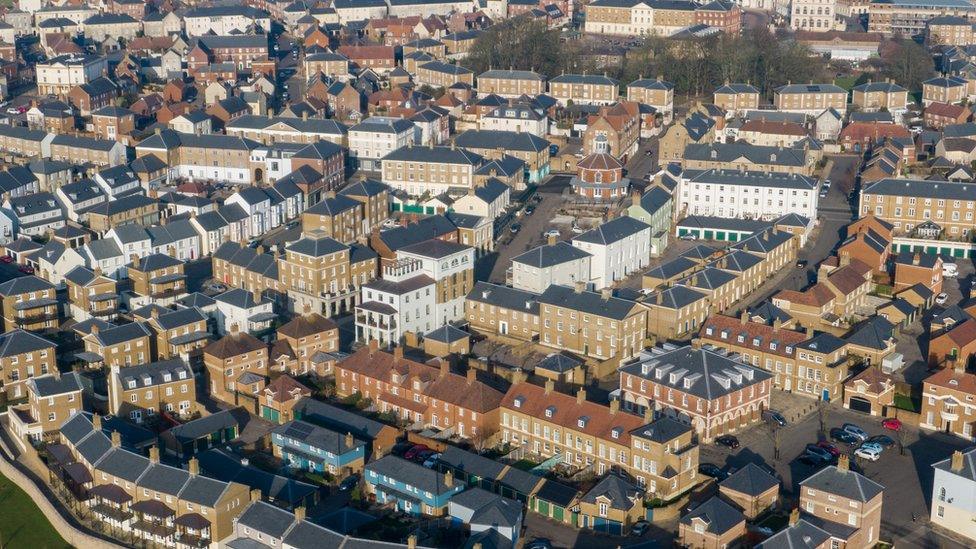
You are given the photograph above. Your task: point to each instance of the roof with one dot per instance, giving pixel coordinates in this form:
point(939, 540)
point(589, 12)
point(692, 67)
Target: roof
point(307, 325)
point(504, 297)
point(232, 345)
point(319, 438)
point(327, 415)
point(587, 302)
point(447, 334)
point(873, 334)
point(662, 430)
point(489, 508)
point(505, 140)
point(968, 470)
point(719, 517)
point(558, 362)
point(435, 155)
point(700, 372)
point(410, 474)
point(613, 231)
point(802, 535)
point(847, 484)
point(751, 480)
point(584, 79)
point(316, 246)
point(155, 373)
point(621, 493)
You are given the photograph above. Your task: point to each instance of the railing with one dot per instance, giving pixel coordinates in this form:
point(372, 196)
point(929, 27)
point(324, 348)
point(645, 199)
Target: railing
point(168, 293)
point(32, 319)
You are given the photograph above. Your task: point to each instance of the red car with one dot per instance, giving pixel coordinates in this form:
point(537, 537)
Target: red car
point(829, 447)
point(412, 453)
point(892, 424)
point(26, 269)
point(6, 259)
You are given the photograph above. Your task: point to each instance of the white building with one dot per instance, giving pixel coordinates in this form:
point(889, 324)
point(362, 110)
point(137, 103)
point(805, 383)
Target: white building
point(745, 194)
point(813, 15)
point(554, 263)
point(251, 312)
point(489, 200)
point(58, 75)
point(516, 118)
point(954, 494)
point(79, 197)
point(376, 137)
point(446, 263)
point(54, 261)
point(34, 214)
point(619, 247)
point(394, 305)
point(225, 20)
point(257, 204)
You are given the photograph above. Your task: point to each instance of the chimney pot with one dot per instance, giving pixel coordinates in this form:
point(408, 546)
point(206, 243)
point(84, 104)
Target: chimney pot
point(581, 396)
point(193, 466)
point(300, 513)
point(154, 454)
point(957, 461)
point(116, 439)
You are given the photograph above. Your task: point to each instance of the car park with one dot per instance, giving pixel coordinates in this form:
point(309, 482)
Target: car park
point(884, 440)
point(891, 423)
point(728, 440)
point(834, 450)
point(552, 232)
point(872, 446)
point(412, 452)
point(855, 430)
point(870, 454)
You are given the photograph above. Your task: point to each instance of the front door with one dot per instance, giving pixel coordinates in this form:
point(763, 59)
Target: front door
point(502, 327)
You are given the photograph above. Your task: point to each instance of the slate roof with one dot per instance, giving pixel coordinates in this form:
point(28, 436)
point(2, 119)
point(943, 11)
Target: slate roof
point(613, 231)
point(873, 334)
point(546, 256)
point(662, 430)
point(316, 437)
point(316, 246)
point(340, 419)
point(751, 480)
point(719, 517)
point(558, 362)
point(621, 493)
point(802, 535)
point(435, 155)
point(409, 473)
point(505, 140)
point(846, 484)
point(587, 302)
point(700, 372)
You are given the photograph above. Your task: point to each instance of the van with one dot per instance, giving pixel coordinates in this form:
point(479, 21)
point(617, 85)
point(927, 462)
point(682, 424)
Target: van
point(950, 270)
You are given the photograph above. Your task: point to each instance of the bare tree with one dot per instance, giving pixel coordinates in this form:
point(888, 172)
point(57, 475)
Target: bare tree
point(823, 415)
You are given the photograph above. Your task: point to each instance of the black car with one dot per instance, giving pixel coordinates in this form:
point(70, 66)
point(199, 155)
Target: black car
point(839, 435)
point(349, 482)
point(515, 227)
point(728, 440)
point(539, 543)
point(712, 470)
point(529, 209)
point(772, 416)
point(811, 461)
point(884, 440)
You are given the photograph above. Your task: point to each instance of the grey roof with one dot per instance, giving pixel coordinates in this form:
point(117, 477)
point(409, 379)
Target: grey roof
point(673, 268)
point(409, 473)
point(719, 517)
point(489, 508)
point(585, 79)
point(333, 206)
point(847, 484)
point(240, 298)
point(365, 187)
point(153, 262)
point(308, 535)
point(700, 372)
point(810, 88)
point(824, 343)
point(768, 313)
point(436, 155)
point(654, 199)
point(511, 75)
point(316, 437)
point(550, 255)
point(873, 334)
point(558, 362)
point(434, 248)
point(920, 188)
point(447, 68)
point(621, 493)
point(968, 470)
point(203, 490)
point(24, 284)
point(613, 231)
point(802, 535)
point(757, 154)
point(340, 419)
point(267, 519)
point(212, 42)
point(447, 334)
point(504, 297)
point(651, 84)
point(207, 425)
point(156, 373)
point(163, 478)
point(123, 464)
point(737, 88)
point(310, 125)
point(427, 228)
point(104, 248)
point(383, 124)
point(505, 140)
point(49, 385)
point(751, 480)
point(587, 302)
point(316, 246)
point(227, 467)
point(662, 430)
point(677, 297)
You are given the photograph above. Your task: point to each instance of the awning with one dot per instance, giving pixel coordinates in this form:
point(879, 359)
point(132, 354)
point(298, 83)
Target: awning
point(77, 473)
point(110, 492)
point(87, 356)
point(152, 508)
point(193, 521)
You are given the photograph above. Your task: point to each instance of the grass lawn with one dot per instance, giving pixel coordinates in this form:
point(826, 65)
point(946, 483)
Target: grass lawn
point(525, 464)
point(22, 524)
point(905, 402)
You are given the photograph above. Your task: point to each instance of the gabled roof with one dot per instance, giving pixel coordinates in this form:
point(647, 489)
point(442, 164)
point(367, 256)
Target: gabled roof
point(719, 517)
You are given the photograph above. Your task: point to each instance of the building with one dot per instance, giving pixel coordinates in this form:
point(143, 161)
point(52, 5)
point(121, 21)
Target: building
point(433, 170)
point(29, 303)
point(800, 160)
point(846, 503)
point(308, 447)
point(376, 137)
point(142, 391)
point(810, 99)
point(584, 89)
point(639, 17)
point(495, 309)
point(752, 489)
point(749, 194)
point(511, 83)
point(712, 392)
point(24, 355)
point(918, 267)
point(952, 499)
point(944, 89)
point(815, 15)
point(945, 402)
point(949, 30)
point(612, 505)
point(713, 523)
point(51, 400)
point(58, 75)
point(909, 17)
point(557, 263)
point(736, 98)
point(875, 96)
point(325, 274)
point(656, 93)
point(157, 278)
point(618, 248)
point(908, 203)
point(310, 337)
point(390, 477)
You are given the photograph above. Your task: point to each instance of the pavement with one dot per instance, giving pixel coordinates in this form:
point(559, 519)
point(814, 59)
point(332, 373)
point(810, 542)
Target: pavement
point(907, 478)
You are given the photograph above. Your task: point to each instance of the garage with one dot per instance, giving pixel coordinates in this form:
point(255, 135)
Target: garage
point(860, 405)
point(607, 526)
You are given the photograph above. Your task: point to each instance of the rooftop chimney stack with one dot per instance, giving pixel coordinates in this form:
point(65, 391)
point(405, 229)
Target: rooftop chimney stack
point(581, 396)
point(957, 461)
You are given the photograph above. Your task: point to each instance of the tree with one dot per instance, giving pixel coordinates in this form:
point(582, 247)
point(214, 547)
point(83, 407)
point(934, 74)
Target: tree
point(519, 43)
point(822, 415)
point(906, 62)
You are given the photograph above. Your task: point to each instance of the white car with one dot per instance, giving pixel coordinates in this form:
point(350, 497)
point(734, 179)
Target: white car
point(870, 453)
point(941, 298)
point(552, 232)
point(578, 230)
point(13, 110)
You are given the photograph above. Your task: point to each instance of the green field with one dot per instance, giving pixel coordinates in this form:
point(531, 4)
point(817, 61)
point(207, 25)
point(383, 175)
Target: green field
point(22, 524)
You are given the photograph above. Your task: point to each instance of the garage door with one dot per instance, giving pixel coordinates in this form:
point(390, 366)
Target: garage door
point(860, 405)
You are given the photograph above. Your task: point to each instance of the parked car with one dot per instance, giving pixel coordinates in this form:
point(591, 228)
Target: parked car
point(6, 259)
point(941, 298)
point(516, 227)
point(552, 232)
point(424, 455)
point(578, 230)
point(639, 528)
point(872, 446)
point(801, 263)
point(855, 430)
point(401, 447)
point(688, 236)
point(870, 454)
point(539, 543)
point(772, 416)
point(728, 440)
point(712, 470)
point(893, 424)
point(349, 482)
point(530, 209)
point(884, 440)
point(13, 110)
point(818, 452)
point(412, 452)
point(432, 460)
point(839, 435)
point(950, 270)
point(26, 269)
point(810, 461)
point(834, 451)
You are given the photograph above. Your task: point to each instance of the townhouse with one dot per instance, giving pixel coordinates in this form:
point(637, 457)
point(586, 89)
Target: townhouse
point(949, 30)
point(516, 118)
point(51, 400)
point(218, 157)
point(736, 97)
point(874, 96)
point(58, 75)
point(429, 394)
point(713, 392)
point(125, 345)
point(540, 421)
point(811, 99)
point(557, 263)
point(944, 89)
point(584, 89)
point(236, 365)
point(224, 20)
point(312, 340)
point(23, 356)
point(614, 130)
point(947, 401)
point(504, 311)
point(179, 334)
point(376, 137)
point(803, 363)
point(91, 294)
point(493, 144)
point(746, 157)
point(92, 96)
point(954, 477)
point(909, 17)
point(308, 447)
point(749, 194)
point(157, 278)
point(759, 131)
point(321, 272)
point(337, 216)
point(270, 130)
point(411, 488)
point(438, 74)
point(618, 248)
point(30, 303)
point(511, 83)
point(375, 198)
point(250, 311)
point(434, 170)
point(141, 391)
point(656, 93)
point(676, 312)
point(24, 142)
point(832, 301)
point(908, 203)
point(846, 503)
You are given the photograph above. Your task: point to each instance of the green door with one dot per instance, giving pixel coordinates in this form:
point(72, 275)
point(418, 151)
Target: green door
point(709, 235)
point(958, 252)
point(542, 507)
point(945, 251)
point(682, 232)
point(932, 249)
point(270, 414)
point(733, 237)
point(558, 513)
point(720, 235)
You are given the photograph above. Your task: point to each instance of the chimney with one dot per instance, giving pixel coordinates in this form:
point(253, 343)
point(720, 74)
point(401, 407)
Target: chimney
point(809, 332)
point(843, 463)
point(472, 375)
point(648, 415)
point(776, 323)
point(917, 258)
point(116, 439)
point(234, 328)
point(193, 466)
point(374, 346)
point(957, 461)
point(97, 271)
point(154, 312)
point(581, 396)
point(579, 286)
point(448, 479)
point(256, 294)
point(550, 385)
point(96, 422)
point(259, 250)
point(445, 368)
point(300, 513)
point(307, 309)
point(744, 317)
point(154, 454)
point(659, 299)
point(397, 354)
point(255, 495)
point(412, 541)
point(350, 441)
point(134, 258)
point(614, 406)
point(794, 517)
point(94, 330)
point(305, 115)
point(551, 240)
point(606, 293)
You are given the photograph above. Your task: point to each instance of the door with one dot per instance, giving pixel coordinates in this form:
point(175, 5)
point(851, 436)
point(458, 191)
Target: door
point(826, 395)
point(270, 414)
point(860, 405)
point(502, 327)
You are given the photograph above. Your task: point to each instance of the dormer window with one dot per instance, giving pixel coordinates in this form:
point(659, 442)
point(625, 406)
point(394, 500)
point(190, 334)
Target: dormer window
point(772, 345)
point(725, 334)
point(582, 421)
point(615, 432)
point(182, 375)
point(741, 339)
point(518, 401)
point(756, 341)
point(550, 411)
point(708, 331)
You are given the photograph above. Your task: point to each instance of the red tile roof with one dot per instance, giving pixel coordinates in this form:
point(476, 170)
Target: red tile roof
point(752, 331)
point(951, 379)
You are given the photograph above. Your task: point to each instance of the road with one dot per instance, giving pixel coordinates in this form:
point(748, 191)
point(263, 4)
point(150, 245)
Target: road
point(835, 213)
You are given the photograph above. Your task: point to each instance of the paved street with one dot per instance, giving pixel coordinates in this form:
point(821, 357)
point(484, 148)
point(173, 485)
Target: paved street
point(907, 478)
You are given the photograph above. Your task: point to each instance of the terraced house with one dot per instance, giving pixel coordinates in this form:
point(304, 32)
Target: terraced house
point(140, 392)
point(584, 89)
point(501, 310)
point(157, 278)
point(91, 294)
point(907, 203)
point(542, 422)
point(411, 488)
point(495, 145)
point(711, 391)
point(430, 394)
point(23, 355)
point(30, 303)
point(811, 99)
point(125, 345)
point(511, 83)
point(308, 447)
point(433, 170)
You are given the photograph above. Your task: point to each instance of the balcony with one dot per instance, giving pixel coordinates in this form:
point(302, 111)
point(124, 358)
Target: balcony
point(111, 311)
point(169, 292)
point(372, 323)
point(36, 318)
point(949, 415)
point(110, 513)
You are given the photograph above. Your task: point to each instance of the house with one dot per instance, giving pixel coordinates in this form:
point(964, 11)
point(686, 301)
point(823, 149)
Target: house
point(752, 489)
point(157, 278)
point(308, 447)
point(380, 436)
point(954, 477)
point(419, 170)
point(280, 398)
point(614, 129)
point(918, 268)
point(584, 89)
point(828, 125)
point(868, 241)
point(727, 193)
point(54, 261)
point(939, 115)
point(30, 303)
point(713, 523)
point(656, 93)
point(554, 263)
point(612, 506)
point(24, 355)
point(141, 391)
point(695, 128)
point(483, 511)
point(956, 346)
point(618, 248)
point(874, 340)
point(236, 363)
point(34, 214)
point(874, 96)
point(51, 400)
point(409, 487)
point(91, 294)
point(312, 338)
point(736, 98)
point(846, 503)
point(811, 99)
point(493, 144)
point(871, 392)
